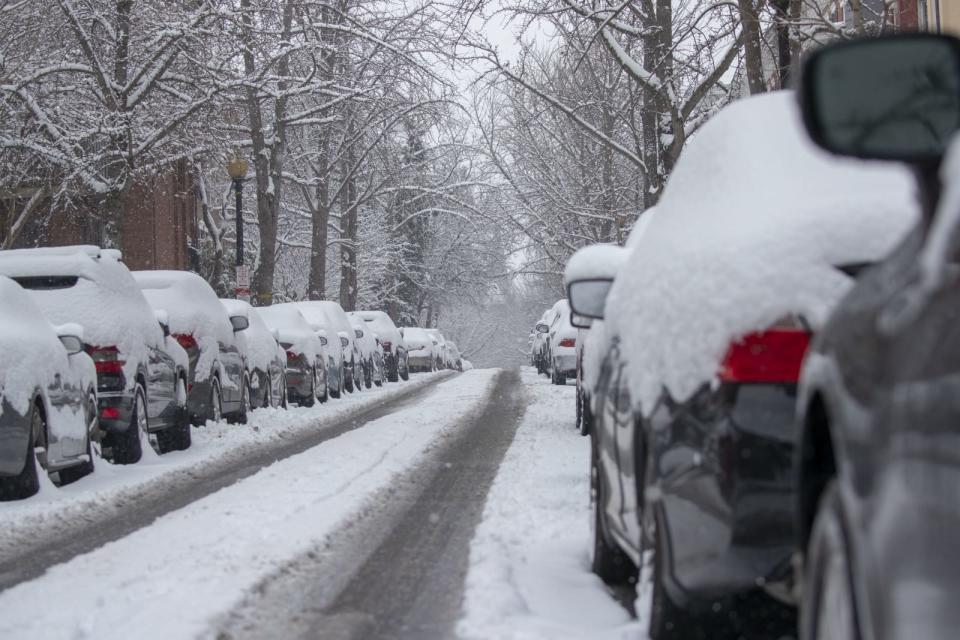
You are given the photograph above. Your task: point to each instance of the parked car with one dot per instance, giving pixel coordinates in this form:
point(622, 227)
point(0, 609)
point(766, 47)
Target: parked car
point(708, 322)
point(879, 397)
point(306, 373)
point(265, 359)
point(141, 376)
point(442, 350)
point(562, 345)
point(369, 350)
point(217, 384)
point(421, 348)
point(391, 341)
point(456, 359)
point(48, 398)
point(539, 344)
point(329, 316)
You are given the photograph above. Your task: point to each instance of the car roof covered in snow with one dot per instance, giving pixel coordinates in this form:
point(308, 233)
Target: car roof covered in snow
point(293, 328)
point(382, 324)
point(749, 229)
point(256, 340)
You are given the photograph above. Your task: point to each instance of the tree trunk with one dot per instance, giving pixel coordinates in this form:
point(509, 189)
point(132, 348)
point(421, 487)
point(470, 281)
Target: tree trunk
point(348, 234)
point(317, 284)
point(753, 59)
point(781, 9)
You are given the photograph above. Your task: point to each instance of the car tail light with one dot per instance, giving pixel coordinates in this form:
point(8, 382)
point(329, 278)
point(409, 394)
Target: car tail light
point(773, 356)
point(568, 342)
point(106, 359)
point(186, 340)
point(386, 344)
point(110, 413)
point(292, 356)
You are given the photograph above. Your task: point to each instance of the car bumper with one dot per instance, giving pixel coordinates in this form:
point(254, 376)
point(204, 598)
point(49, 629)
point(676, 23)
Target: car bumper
point(420, 361)
point(566, 364)
point(118, 404)
point(299, 381)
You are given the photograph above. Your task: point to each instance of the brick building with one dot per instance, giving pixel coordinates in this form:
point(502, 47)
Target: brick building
point(158, 227)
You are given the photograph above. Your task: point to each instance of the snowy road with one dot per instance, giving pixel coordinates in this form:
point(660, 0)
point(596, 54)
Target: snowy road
point(458, 509)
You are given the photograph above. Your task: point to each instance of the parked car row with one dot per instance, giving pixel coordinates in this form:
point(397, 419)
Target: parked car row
point(429, 350)
point(554, 350)
point(96, 359)
point(772, 370)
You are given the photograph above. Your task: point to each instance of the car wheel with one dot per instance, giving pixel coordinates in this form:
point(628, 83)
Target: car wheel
point(128, 446)
point(609, 562)
point(368, 375)
point(311, 398)
point(178, 437)
point(393, 372)
point(74, 473)
point(246, 406)
point(829, 609)
point(579, 419)
point(268, 398)
point(335, 393)
point(405, 371)
point(348, 385)
point(27, 482)
point(284, 392)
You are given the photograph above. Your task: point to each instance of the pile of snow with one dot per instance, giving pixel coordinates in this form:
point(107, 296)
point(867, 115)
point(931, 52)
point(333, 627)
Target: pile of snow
point(749, 229)
point(105, 301)
point(256, 341)
point(179, 576)
point(30, 352)
point(193, 309)
point(296, 334)
point(529, 575)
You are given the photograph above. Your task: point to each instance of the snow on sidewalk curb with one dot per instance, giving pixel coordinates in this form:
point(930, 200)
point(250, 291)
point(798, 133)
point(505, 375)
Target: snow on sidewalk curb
point(529, 574)
point(54, 513)
point(173, 578)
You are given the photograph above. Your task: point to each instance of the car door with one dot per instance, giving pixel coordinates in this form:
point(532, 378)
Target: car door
point(66, 423)
point(161, 386)
point(630, 440)
point(232, 360)
point(605, 432)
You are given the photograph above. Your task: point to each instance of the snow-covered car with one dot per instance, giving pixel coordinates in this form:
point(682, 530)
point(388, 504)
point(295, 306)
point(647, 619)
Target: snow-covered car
point(421, 349)
point(562, 345)
point(370, 352)
point(48, 397)
point(329, 316)
point(443, 349)
point(538, 345)
point(391, 341)
point(265, 359)
point(217, 384)
point(306, 372)
point(879, 396)
point(708, 322)
point(141, 376)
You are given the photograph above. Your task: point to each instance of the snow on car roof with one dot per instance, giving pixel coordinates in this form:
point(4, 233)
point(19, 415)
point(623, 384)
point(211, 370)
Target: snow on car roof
point(192, 307)
point(30, 352)
point(105, 300)
point(256, 340)
point(747, 231)
point(293, 328)
point(382, 324)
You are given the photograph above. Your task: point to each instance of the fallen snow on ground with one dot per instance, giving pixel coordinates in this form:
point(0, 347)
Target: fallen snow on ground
point(529, 574)
point(174, 578)
point(53, 512)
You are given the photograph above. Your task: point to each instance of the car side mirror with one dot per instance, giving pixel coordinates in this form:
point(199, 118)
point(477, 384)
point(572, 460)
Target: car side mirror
point(239, 323)
point(323, 341)
point(890, 98)
point(589, 275)
point(358, 333)
point(163, 319)
point(543, 328)
point(71, 337)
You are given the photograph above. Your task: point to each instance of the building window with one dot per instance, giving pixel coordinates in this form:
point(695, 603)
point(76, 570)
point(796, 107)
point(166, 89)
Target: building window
point(923, 16)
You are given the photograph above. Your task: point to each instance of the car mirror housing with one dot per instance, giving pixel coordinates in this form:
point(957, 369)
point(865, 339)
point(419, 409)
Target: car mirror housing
point(239, 323)
point(323, 341)
point(543, 328)
point(344, 342)
point(589, 274)
point(588, 298)
point(889, 98)
point(73, 344)
point(358, 333)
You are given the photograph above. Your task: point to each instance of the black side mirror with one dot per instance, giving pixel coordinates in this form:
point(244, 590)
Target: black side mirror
point(358, 333)
point(890, 98)
point(543, 328)
point(239, 323)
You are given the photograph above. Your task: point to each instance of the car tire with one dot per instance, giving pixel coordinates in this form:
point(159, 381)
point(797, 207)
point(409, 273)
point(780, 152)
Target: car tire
point(608, 561)
point(348, 375)
point(393, 372)
point(128, 446)
point(368, 375)
point(405, 372)
point(336, 393)
point(284, 392)
point(268, 393)
point(311, 398)
point(240, 417)
point(74, 473)
point(27, 482)
point(179, 437)
point(578, 425)
point(829, 595)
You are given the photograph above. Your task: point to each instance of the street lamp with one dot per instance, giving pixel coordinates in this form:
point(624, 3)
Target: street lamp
point(237, 169)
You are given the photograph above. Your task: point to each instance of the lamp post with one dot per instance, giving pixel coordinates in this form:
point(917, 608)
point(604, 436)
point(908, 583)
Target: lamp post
point(237, 169)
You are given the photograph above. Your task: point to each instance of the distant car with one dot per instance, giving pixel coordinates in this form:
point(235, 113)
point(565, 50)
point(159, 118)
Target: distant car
point(391, 340)
point(562, 345)
point(266, 360)
point(141, 376)
point(328, 315)
point(218, 384)
point(707, 324)
point(538, 345)
point(442, 350)
point(879, 397)
point(369, 350)
point(48, 398)
point(421, 348)
point(306, 373)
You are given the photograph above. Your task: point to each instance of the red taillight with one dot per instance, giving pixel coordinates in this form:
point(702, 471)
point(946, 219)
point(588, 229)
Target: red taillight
point(110, 413)
point(186, 340)
point(773, 356)
point(568, 342)
point(106, 359)
point(386, 345)
point(292, 356)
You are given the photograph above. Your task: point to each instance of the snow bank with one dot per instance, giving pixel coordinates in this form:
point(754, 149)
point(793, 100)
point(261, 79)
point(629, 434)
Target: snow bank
point(176, 577)
point(529, 575)
point(748, 229)
point(192, 308)
point(105, 300)
point(256, 341)
point(30, 351)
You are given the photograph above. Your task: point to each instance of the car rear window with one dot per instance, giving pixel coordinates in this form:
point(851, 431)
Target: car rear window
point(40, 283)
